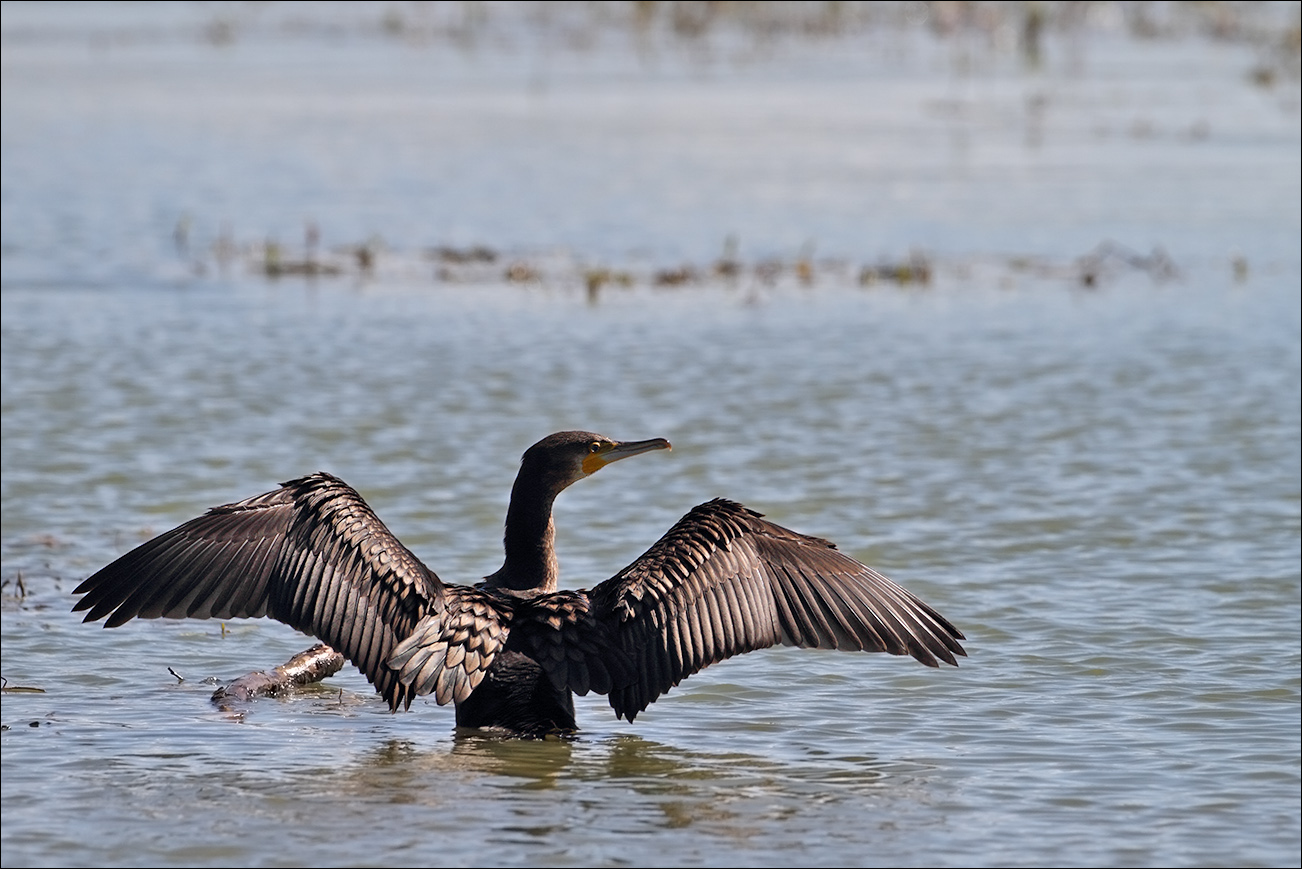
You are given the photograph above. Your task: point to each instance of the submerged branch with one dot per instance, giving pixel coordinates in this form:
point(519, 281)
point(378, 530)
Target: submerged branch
point(317, 663)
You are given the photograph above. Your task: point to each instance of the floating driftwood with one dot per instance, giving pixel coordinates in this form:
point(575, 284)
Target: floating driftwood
point(317, 663)
point(18, 689)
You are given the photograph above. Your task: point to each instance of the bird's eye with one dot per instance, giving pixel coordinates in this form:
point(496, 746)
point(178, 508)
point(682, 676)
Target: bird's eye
point(594, 447)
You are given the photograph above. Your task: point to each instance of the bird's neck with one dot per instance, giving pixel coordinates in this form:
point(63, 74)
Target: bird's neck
point(530, 542)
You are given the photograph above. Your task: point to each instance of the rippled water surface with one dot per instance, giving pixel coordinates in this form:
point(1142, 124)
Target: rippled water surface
point(1098, 481)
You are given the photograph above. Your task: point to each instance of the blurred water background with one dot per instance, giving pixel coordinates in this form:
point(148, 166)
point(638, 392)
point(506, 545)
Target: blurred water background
point(1001, 297)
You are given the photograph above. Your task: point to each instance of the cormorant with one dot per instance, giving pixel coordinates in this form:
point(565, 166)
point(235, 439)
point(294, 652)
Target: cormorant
point(510, 650)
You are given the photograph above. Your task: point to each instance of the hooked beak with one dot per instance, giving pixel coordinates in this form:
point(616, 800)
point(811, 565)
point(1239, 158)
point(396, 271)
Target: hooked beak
point(622, 450)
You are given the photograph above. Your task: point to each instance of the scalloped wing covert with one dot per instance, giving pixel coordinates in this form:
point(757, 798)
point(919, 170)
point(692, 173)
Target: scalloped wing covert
point(452, 648)
point(724, 581)
point(311, 554)
point(577, 649)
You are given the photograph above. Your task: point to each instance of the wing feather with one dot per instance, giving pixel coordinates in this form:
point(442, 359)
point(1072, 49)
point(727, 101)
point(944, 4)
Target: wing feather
point(561, 632)
point(311, 554)
point(450, 649)
point(724, 581)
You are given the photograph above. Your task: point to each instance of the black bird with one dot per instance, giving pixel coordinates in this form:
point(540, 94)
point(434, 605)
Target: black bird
point(510, 650)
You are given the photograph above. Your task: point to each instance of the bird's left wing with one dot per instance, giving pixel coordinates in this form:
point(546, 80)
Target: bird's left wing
point(724, 581)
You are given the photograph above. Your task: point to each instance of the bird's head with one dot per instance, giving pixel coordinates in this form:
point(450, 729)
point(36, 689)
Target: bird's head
point(567, 456)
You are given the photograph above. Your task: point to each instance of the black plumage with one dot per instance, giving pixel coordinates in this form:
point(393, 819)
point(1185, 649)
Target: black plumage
point(511, 651)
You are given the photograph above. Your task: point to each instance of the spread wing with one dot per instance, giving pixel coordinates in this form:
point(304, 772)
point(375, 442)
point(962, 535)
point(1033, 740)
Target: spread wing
point(311, 554)
point(724, 581)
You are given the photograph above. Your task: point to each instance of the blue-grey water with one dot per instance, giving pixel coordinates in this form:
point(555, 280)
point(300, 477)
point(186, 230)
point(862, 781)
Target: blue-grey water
point(1097, 479)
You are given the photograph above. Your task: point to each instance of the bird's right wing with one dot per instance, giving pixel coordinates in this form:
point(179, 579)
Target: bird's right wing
point(724, 581)
point(311, 554)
